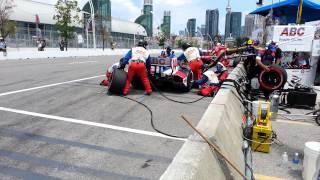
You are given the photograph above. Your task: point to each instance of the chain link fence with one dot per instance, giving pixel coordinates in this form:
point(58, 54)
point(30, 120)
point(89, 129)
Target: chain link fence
point(27, 38)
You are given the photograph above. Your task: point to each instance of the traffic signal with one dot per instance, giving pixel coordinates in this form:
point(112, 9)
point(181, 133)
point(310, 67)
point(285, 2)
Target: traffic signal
point(259, 2)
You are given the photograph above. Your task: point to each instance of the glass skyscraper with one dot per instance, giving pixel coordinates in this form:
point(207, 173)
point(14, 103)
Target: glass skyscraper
point(146, 19)
point(191, 27)
point(102, 14)
point(233, 24)
point(212, 23)
point(166, 25)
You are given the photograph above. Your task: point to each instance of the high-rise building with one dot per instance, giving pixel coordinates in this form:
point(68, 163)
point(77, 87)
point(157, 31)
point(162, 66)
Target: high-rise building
point(181, 33)
point(249, 25)
point(228, 21)
point(203, 29)
point(103, 12)
point(146, 19)
point(242, 32)
point(212, 22)
point(235, 25)
point(191, 27)
point(166, 25)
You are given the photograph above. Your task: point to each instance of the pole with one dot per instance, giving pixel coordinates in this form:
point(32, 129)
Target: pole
point(210, 40)
point(134, 38)
point(299, 13)
point(214, 147)
point(93, 25)
point(199, 30)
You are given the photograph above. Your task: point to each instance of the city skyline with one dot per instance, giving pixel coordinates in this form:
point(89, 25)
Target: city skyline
point(181, 10)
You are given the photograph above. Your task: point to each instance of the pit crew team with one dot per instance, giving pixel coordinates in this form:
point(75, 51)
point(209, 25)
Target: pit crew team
point(208, 80)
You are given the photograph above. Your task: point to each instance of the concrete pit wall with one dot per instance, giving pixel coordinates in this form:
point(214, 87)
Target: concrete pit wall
point(222, 124)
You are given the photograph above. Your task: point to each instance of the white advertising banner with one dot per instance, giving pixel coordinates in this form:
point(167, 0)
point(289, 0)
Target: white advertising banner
point(294, 37)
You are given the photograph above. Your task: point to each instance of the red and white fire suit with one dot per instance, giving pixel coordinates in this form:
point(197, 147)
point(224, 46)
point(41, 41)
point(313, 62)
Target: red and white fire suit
point(106, 81)
point(192, 55)
point(137, 66)
point(217, 51)
point(210, 82)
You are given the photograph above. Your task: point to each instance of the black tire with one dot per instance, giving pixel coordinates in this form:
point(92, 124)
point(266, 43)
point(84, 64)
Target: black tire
point(318, 120)
point(277, 74)
point(118, 81)
point(189, 82)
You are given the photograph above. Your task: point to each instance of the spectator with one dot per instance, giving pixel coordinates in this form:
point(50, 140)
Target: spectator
point(42, 44)
point(61, 45)
point(3, 46)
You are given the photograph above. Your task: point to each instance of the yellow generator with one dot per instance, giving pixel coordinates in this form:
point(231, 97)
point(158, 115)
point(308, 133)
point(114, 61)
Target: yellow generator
point(262, 130)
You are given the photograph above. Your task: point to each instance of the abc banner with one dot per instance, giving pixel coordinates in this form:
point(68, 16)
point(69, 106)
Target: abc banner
point(294, 38)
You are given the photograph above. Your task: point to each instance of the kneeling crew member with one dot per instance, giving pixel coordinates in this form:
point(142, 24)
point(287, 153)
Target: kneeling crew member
point(211, 80)
point(192, 55)
point(109, 72)
point(137, 58)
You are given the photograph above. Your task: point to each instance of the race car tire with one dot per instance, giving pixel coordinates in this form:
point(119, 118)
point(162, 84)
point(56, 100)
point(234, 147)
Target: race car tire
point(189, 82)
point(118, 81)
point(273, 80)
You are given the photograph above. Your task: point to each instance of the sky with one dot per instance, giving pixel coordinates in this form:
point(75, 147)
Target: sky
point(181, 10)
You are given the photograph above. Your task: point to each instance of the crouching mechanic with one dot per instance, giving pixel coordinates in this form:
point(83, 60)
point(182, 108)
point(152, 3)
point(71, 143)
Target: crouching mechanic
point(137, 58)
point(272, 55)
point(109, 72)
point(192, 56)
point(211, 80)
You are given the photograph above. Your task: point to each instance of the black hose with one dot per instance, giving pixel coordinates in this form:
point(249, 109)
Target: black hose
point(151, 119)
point(285, 110)
point(173, 100)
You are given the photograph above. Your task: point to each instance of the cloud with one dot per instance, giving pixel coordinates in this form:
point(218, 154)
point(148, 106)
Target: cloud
point(125, 9)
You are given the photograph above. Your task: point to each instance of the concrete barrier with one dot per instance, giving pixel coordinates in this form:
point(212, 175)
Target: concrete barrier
point(33, 53)
point(222, 124)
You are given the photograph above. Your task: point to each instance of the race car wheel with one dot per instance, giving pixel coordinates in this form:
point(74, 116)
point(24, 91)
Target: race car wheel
point(273, 80)
point(189, 82)
point(118, 81)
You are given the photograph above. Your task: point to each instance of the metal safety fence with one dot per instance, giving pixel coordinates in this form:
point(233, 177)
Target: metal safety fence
point(27, 37)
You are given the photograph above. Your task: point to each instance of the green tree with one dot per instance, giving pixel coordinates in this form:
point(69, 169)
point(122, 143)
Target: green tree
point(67, 17)
point(161, 40)
point(7, 27)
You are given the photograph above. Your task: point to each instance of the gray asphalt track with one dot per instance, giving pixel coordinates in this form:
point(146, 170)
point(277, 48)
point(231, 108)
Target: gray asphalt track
point(33, 147)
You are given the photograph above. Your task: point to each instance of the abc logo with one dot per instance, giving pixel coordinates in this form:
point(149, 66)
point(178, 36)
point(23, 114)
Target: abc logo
point(293, 31)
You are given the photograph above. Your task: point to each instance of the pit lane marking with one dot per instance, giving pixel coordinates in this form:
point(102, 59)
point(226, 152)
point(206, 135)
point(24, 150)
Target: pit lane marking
point(83, 122)
point(49, 85)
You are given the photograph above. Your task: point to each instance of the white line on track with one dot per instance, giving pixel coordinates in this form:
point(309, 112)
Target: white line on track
point(82, 62)
point(49, 85)
point(77, 121)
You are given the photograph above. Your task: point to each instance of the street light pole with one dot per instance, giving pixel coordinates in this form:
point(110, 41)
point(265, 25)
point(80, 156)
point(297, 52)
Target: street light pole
point(202, 38)
point(93, 24)
point(87, 27)
point(134, 38)
point(210, 39)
